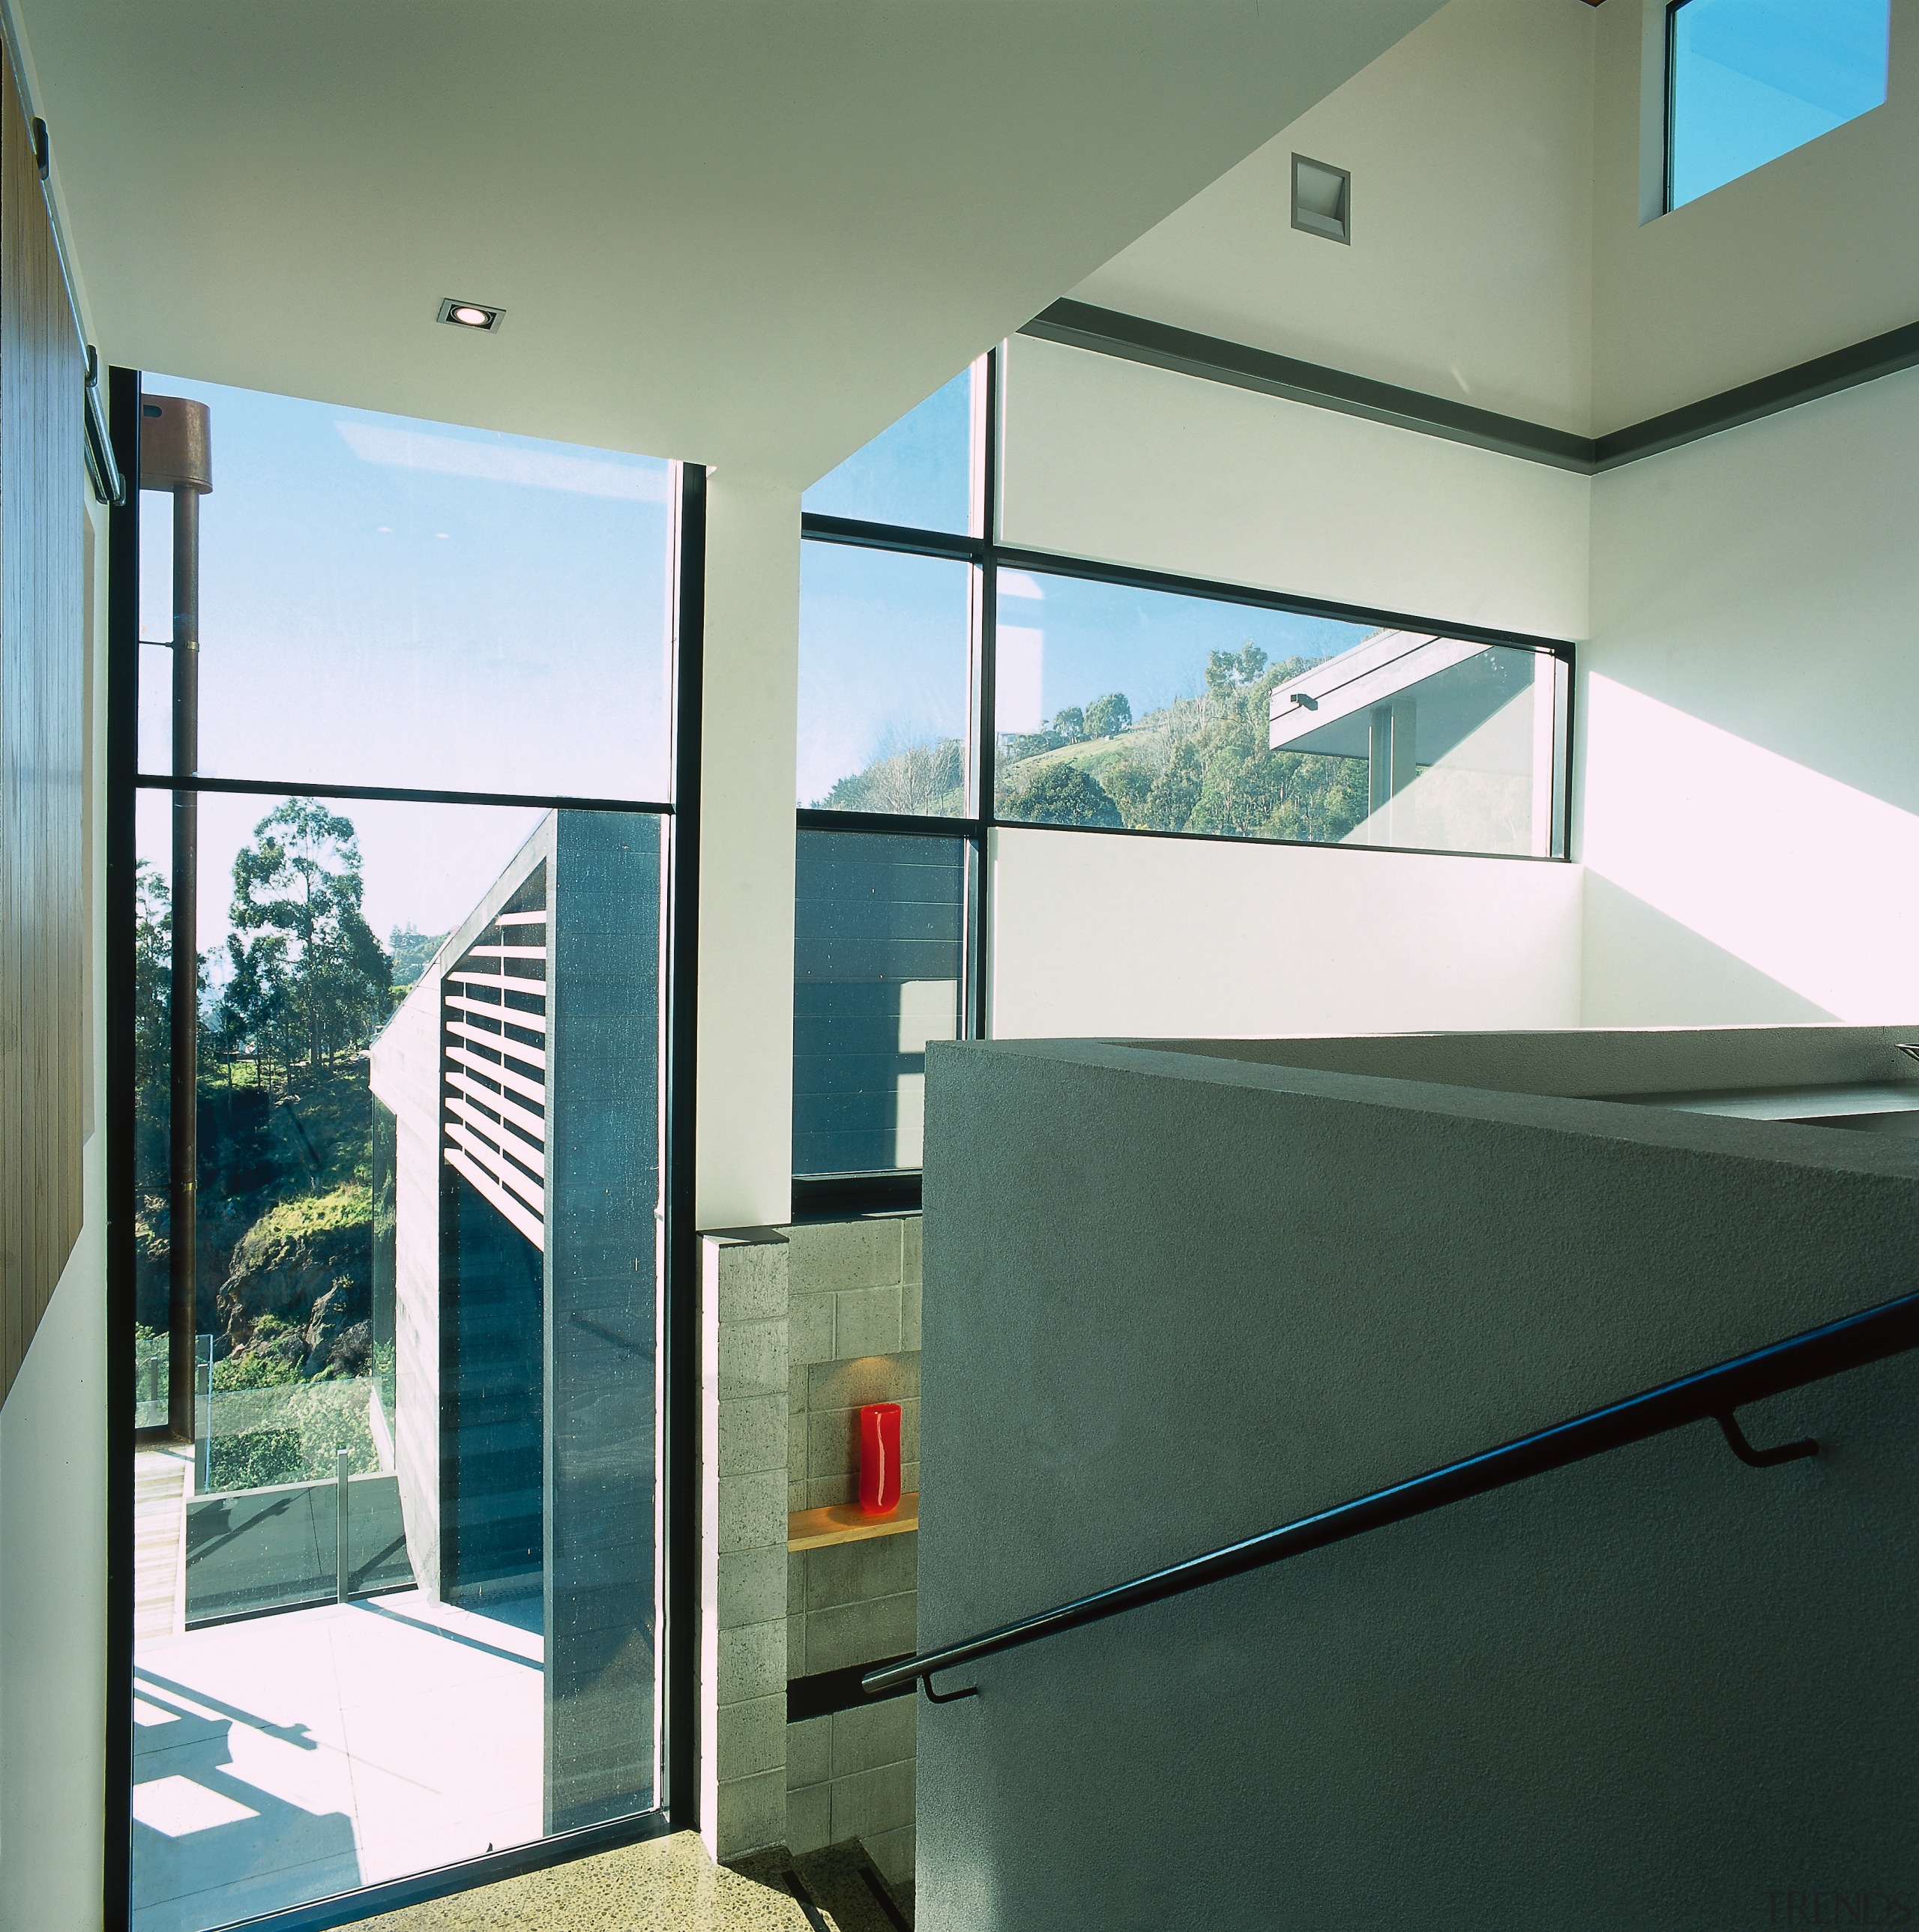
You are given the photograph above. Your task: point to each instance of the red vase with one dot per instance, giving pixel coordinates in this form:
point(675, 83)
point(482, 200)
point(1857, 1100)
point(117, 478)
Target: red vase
point(879, 1458)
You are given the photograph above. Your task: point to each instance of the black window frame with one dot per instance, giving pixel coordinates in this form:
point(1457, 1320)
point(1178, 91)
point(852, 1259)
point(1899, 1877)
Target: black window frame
point(819, 1197)
point(676, 1807)
point(1667, 45)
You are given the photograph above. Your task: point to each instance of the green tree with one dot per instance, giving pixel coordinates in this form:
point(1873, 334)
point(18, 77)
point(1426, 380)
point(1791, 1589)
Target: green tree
point(1069, 724)
point(1106, 717)
point(924, 778)
point(412, 951)
point(1176, 791)
point(312, 981)
point(1228, 670)
point(1129, 783)
point(153, 968)
point(256, 1013)
point(1067, 795)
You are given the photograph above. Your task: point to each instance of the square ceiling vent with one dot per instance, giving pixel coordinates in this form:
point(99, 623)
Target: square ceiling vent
point(1322, 199)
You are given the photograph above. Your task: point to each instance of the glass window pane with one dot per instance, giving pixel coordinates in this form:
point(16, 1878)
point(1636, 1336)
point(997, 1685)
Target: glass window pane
point(1753, 79)
point(878, 969)
point(426, 1260)
point(1115, 704)
point(388, 602)
point(1444, 746)
point(1124, 707)
point(884, 653)
point(919, 473)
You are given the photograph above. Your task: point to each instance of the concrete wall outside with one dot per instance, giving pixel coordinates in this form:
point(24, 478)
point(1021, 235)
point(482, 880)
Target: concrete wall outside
point(1177, 1299)
point(404, 1074)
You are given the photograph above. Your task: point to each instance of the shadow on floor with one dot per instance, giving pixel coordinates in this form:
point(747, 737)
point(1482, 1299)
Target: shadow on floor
point(210, 1847)
point(840, 1889)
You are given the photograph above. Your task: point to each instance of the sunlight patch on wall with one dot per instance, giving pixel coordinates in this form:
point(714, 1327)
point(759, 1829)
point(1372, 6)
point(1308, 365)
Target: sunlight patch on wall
point(1805, 879)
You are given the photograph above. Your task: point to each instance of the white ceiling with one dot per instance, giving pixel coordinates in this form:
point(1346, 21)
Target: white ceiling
point(747, 232)
point(1499, 255)
point(1469, 274)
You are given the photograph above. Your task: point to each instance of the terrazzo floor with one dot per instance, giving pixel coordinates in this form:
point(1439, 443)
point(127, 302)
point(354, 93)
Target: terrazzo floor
point(670, 1885)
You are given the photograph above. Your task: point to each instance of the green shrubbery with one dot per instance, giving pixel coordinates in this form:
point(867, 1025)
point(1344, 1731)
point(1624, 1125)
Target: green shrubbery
point(289, 1431)
point(1199, 764)
point(254, 1461)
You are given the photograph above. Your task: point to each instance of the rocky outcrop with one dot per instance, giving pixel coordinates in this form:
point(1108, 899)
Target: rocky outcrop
point(307, 1261)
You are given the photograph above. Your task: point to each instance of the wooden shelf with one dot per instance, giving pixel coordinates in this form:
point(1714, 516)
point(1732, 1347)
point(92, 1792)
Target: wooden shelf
point(847, 1522)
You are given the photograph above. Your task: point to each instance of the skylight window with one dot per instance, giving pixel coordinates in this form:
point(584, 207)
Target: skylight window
point(1750, 80)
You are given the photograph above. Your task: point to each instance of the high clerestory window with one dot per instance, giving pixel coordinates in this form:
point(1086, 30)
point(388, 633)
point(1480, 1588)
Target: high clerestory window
point(951, 685)
point(1750, 80)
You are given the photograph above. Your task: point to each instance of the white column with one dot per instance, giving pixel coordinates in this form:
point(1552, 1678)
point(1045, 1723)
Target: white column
point(744, 1158)
point(744, 1149)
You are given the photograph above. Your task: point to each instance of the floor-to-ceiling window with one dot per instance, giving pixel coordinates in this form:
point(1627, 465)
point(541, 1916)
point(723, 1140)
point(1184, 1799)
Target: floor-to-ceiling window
point(889, 854)
point(952, 685)
point(403, 833)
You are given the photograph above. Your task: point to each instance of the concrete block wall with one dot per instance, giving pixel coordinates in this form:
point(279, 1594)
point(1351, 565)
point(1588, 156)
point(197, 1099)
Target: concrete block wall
point(744, 1669)
point(851, 1603)
point(801, 1326)
point(825, 1399)
point(851, 1776)
point(855, 1325)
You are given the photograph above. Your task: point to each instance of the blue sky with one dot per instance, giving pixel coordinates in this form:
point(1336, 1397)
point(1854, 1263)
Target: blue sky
point(918, 472)
point(884, 653)
point(1064, 640)
point(1753, 79)
point(394, 603)
point(388, 602)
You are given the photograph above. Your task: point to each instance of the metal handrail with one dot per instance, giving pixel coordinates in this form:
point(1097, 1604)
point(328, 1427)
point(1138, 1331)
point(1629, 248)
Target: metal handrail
point(1851, 1343)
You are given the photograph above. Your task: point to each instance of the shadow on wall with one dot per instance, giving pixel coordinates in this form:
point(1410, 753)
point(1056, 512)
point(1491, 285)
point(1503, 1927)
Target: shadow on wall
point(1726, 882)
point(1657, 972)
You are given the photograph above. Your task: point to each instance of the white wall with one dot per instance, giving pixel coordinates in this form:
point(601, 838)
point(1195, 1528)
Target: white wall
point(1816, 250)
point(1102, 935)
point(53, 1503)
point(1469, 274)
point(53, 1599)
point(744, 1130)
point(1160, 937)
point(1749, 822)
point(1109, 459)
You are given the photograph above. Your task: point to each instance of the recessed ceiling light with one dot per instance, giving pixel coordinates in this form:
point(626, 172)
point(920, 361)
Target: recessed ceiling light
point(471, 315)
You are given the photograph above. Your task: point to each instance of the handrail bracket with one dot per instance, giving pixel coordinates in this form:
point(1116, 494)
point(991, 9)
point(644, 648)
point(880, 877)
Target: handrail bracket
point(951, 1696)
point(1762, 1459)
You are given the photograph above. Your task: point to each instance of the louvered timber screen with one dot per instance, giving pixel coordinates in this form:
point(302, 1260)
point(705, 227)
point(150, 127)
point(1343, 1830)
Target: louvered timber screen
point(494, 1059)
